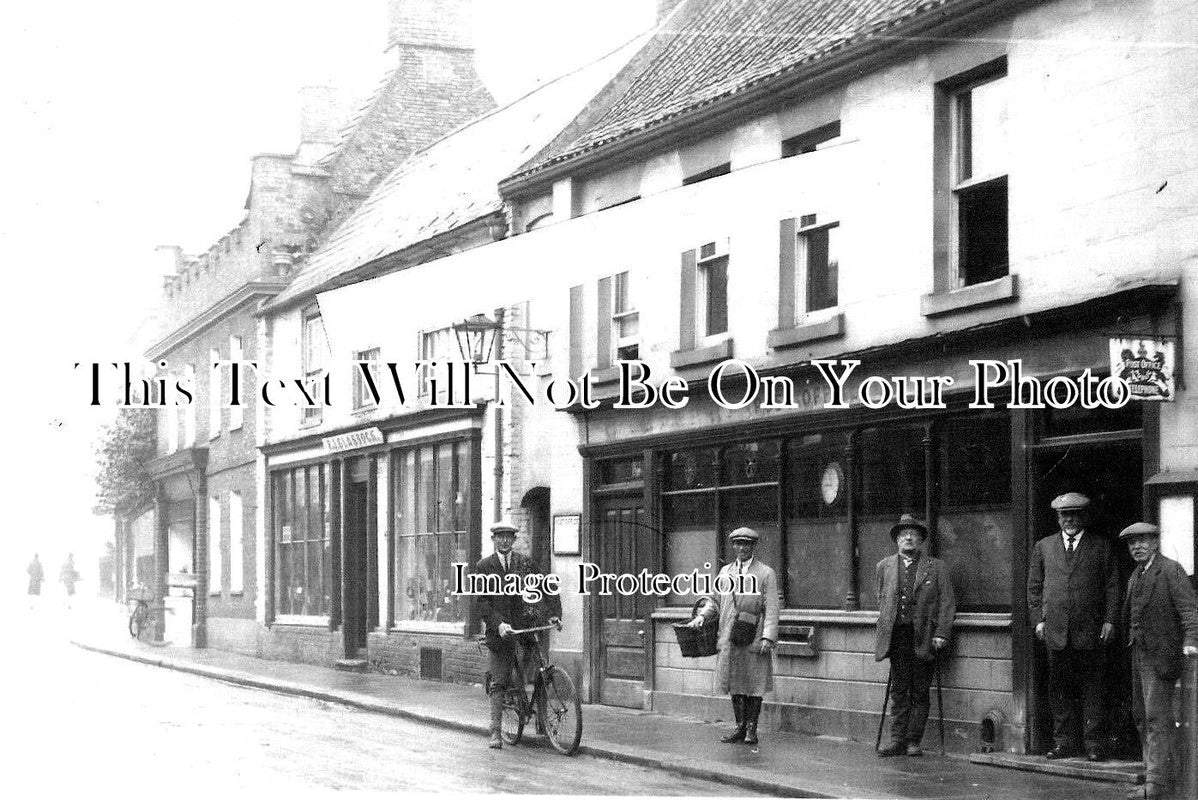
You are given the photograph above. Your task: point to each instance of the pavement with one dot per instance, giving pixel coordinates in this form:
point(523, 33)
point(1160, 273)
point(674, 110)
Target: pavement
point(785, 764)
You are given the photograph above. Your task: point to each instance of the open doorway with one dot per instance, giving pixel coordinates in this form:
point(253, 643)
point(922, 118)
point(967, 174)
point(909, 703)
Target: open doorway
point(1111, 475)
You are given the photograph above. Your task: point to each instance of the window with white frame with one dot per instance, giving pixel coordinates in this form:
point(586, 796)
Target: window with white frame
point(170, 419)
point(711, 290)
point(818, 276)
point(979, 175)
point(236, 413)
point(215, 579)
point(236, 544)
point(436, 345)
point(626, 320)
point(362, 396)
point(189, 411)
point(302, 545)
point(315, 355)
point(214, 395)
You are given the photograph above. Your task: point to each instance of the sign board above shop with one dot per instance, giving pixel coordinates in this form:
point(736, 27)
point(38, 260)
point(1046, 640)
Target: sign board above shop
point(368, 437)
point(1147, 364)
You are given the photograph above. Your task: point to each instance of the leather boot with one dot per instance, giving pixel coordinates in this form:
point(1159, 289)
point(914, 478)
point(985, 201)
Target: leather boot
point(738, 708)
point(496, 742)
point(752, 712)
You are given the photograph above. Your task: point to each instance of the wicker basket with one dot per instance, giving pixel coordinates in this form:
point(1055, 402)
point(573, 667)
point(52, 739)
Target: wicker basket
point(697, 642)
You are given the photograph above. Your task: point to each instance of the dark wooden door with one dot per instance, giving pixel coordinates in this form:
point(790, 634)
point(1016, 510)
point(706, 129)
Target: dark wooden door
point(356, 565)
point(625, 546)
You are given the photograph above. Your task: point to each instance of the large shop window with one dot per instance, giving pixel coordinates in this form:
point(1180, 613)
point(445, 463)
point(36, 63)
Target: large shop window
point(796, 492)
point(302, 548)
point(432, 491)
point(817, 521)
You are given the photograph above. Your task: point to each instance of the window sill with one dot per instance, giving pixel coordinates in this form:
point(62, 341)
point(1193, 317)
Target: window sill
point(429, 626)
point(973, 620)
point(602, 377)
point(1001, 290)
point(829, 328)
point(684, 359)
point(301, 621)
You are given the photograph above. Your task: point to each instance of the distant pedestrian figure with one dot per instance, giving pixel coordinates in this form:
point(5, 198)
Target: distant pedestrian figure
point(68, 575)
point(36, 576)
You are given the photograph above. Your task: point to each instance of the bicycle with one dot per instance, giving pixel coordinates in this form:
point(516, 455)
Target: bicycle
point(554, 702)
point(139, 616)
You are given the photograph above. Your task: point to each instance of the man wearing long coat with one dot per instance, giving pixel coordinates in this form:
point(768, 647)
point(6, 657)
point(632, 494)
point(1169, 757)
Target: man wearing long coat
point(1161, 615)
point(916, 608)
point(1073, 602)
point(747, 672)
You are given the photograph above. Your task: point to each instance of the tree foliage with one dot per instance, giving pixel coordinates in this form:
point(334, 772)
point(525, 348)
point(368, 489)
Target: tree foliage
point(125, 446)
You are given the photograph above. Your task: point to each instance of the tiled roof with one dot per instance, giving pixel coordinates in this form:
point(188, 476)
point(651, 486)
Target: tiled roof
point(455, 180)
point(722, 47)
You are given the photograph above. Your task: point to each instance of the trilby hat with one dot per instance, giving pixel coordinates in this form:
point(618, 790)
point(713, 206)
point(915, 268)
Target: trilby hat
point(907, 521)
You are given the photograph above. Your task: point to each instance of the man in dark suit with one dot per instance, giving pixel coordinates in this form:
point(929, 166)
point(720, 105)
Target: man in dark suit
point(1072, 600)
point(915, 620)
point(1161, 616)
point(504, 613)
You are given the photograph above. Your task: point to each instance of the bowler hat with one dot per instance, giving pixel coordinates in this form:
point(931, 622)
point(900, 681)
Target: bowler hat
point(908, 521)
point(1139, 529)
point(1070, 501)
point(744, 535)
point(504, 526)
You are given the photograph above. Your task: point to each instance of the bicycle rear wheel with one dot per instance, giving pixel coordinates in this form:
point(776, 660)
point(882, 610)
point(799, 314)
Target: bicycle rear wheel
point(137, 621)
point(511, 727)
point(563, 711)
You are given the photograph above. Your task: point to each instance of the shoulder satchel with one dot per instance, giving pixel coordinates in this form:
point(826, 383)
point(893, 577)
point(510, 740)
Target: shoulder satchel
point(744, 626)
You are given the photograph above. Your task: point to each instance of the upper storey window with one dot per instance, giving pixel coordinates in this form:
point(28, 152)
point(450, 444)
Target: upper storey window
point(979, 177)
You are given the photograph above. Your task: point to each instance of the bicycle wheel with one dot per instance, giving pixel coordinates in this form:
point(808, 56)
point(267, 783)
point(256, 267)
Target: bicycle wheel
point(511, 727)
point(563, 711)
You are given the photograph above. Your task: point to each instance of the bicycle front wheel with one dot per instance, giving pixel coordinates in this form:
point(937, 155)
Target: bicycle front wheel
point(511, 727)
point(563, 712)
point(137, 621)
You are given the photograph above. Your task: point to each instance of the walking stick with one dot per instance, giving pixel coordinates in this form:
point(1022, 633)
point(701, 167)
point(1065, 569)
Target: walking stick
point(885, 702)
point(939, 699)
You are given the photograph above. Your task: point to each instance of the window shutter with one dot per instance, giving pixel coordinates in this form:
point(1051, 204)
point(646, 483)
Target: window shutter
point(786, 273)
point(686, 319)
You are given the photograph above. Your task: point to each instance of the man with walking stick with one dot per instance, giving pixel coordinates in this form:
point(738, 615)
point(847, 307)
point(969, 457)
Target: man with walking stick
point(915, 620)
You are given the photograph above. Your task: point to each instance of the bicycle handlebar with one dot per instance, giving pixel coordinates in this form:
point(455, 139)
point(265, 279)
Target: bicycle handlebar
point(518, 631)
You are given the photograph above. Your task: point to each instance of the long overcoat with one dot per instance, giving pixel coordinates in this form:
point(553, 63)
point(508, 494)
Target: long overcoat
point(935, 605)
point(1168, 615)
point(746, 670)
point(1073, 598)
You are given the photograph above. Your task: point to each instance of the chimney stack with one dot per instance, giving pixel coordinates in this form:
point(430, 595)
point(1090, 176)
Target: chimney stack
point(322, 113)
point(170, 258)
point(431, 23)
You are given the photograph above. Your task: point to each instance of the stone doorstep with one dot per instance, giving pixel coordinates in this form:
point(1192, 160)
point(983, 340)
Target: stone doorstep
point(1131, 772)
point(351, 664)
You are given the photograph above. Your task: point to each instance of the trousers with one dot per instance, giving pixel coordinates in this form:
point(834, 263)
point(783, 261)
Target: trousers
point(1075, 683)
point(910, 688)
point(1152, 708)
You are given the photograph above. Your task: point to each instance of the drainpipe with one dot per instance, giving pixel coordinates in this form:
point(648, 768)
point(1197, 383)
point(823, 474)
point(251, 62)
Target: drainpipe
point(498, 510)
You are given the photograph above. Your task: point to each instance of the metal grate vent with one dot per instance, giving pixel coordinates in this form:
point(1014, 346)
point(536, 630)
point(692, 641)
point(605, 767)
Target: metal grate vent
point(430, 663)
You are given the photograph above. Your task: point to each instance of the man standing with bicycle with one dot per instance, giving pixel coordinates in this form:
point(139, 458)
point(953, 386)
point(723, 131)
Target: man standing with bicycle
point(504, 613)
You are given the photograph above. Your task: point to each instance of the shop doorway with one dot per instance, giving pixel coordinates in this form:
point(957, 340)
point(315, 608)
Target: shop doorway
point(357, 571)
point(625, 545)
point(1111, 475)
point(536, 508)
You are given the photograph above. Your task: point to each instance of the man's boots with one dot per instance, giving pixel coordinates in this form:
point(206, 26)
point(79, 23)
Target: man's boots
point(752, 711)
point(738, 708)
point(496, 720)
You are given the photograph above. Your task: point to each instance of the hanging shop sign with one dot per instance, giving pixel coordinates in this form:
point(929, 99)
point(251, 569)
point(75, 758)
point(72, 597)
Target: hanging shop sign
point(1146, 364)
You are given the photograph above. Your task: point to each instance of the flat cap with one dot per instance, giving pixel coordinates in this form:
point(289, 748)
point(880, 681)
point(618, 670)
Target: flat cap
point(1139, 529)
point(744, 535)
point(504, 526)
point(1070, 501)
point(906, 521)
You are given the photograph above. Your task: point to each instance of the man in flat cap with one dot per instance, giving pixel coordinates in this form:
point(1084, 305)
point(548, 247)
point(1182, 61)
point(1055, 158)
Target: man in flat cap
point(504, 613)
point(1072, 600)
point(1161, 616)
point(915, 620)
point(744, 666)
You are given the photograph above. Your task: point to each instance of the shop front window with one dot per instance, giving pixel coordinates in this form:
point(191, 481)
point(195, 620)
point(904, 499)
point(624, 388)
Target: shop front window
point(817, 522)
point(892, 484)
point(431, 487)
point(301, 537)
point(974, 524)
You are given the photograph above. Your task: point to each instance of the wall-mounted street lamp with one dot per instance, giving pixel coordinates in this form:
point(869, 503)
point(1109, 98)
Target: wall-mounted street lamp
point(476, 337)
